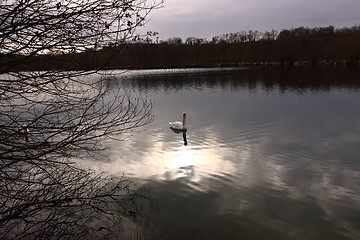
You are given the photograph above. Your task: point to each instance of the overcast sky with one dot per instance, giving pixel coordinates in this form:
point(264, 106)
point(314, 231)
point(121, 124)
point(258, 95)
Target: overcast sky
point(208, 18)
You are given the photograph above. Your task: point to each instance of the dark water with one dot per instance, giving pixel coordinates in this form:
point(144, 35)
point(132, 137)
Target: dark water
point(272, 153)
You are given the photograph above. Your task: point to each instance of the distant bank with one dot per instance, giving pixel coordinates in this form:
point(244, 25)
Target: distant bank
point(299, 46)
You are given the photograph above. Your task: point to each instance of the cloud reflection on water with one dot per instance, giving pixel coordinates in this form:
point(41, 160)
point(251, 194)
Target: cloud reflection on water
point(283, 157)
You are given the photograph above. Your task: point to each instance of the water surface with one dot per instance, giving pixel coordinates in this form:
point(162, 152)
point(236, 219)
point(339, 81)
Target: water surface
point(272, 153)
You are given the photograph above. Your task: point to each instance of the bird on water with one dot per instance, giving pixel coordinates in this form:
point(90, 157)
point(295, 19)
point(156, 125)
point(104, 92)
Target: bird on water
point(180, 126)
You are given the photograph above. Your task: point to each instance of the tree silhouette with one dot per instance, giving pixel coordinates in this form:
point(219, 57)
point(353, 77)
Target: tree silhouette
point(50, 117)
point(324, 45)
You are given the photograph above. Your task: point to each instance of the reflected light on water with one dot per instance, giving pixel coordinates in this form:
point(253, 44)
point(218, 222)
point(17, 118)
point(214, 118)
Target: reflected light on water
point(190, 164)
point(171, 160)
point(167, 158)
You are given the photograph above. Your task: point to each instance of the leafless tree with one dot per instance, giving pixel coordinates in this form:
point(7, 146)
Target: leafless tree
point(49, 117)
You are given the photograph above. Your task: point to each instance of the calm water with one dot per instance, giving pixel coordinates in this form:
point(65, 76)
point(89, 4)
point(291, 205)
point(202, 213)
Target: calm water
point(273, 153)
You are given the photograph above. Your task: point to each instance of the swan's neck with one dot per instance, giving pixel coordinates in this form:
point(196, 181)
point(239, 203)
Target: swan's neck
point(183, 120)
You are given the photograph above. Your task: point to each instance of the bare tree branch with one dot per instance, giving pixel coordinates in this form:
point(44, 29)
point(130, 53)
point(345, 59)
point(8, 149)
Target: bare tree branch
point(50, 117)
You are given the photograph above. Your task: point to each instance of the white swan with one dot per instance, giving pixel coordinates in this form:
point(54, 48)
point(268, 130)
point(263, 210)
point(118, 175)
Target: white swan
point(180, 126)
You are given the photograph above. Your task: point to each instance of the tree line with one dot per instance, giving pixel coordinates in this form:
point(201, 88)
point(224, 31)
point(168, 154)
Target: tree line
point(323, 45)
point(297, 45)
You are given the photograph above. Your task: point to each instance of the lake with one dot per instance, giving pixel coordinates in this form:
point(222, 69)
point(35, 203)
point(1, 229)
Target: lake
point(271, 153)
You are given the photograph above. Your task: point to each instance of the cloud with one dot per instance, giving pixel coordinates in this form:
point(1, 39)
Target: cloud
point(207, 18)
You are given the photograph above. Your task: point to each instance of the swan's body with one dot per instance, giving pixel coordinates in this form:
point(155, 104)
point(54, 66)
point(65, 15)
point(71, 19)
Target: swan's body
point(180, 126)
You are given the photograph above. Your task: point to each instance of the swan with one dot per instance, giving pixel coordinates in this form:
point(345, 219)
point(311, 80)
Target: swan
point(179, 126)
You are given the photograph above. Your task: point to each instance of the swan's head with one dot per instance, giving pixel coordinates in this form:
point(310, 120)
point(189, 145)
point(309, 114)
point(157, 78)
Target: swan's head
point(183, 120)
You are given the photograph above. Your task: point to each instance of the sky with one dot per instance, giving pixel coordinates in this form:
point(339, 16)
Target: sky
point(208, 18)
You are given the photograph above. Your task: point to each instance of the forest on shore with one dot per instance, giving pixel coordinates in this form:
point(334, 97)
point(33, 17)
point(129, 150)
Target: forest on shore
point(297, 46)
